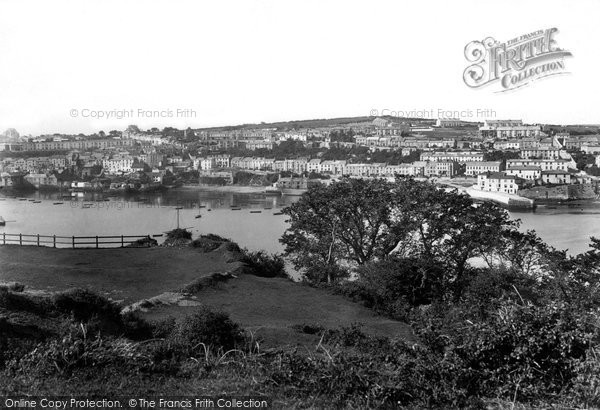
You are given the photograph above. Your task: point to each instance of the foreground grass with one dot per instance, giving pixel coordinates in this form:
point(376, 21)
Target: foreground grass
point(78, 343)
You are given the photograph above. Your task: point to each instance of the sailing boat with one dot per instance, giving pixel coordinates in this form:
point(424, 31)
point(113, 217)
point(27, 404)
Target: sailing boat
point(2, 221)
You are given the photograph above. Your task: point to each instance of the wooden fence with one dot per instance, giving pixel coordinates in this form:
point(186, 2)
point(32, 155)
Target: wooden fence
point(71, 241)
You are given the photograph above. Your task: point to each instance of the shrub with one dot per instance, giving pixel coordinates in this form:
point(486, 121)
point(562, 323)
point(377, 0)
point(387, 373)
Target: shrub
point(22, 302)
point(324, 274)
point(265, 265)
point(163, 328)
point(100, 314)
point(77, 350)
point(13, 286)
point(521, 349)
point(309, 329)
point(143, 243)
point(179, 233)
point(209, 327)
point(208, 243)
point(84, 304)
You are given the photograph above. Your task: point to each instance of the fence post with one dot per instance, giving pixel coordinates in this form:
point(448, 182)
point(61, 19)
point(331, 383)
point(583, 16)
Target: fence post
point(38, 239)
point(54, 241)
point(73, 241)
point(122, 243)
point(96, 241)
point(4, 238)
point(148, 241)
point(21, 239)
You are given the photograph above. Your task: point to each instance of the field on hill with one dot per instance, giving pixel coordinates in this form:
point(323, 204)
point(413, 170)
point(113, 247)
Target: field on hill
point(127, 274)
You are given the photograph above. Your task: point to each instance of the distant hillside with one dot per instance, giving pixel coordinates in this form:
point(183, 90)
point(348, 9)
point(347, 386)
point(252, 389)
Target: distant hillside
point(316, 123)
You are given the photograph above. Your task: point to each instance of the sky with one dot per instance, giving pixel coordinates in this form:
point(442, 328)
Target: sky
point(213, 63)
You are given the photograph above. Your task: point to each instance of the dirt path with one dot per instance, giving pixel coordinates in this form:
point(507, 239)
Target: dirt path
point(122, 274)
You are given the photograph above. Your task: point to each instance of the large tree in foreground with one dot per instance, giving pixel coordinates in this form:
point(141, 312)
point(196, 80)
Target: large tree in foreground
point(346, 223)
point(355, 221)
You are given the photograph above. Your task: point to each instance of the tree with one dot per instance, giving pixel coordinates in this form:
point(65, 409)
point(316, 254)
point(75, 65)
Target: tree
point(133, 129)
point(345, 224)
point(352, 222)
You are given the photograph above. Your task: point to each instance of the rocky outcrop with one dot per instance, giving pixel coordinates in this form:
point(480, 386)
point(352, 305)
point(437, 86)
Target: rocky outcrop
point(561, 192)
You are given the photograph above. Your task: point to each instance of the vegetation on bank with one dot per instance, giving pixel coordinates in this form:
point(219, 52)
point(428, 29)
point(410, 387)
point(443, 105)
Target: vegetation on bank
point(519, 329)
point(521, 325)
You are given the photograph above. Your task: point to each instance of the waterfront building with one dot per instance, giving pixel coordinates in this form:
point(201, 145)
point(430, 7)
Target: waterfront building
point(556, 177)
point(499, 182)
point(473, 168)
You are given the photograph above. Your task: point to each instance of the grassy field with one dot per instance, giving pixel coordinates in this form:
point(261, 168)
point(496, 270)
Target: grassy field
point(126, 275)
point(277, 309)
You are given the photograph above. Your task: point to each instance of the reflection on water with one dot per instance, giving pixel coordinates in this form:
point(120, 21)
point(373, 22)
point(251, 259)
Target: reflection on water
point(564, 225)
point(248, 218)
point(251, 219)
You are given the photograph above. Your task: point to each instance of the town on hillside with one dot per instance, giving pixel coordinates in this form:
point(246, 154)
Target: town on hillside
point(504, 157)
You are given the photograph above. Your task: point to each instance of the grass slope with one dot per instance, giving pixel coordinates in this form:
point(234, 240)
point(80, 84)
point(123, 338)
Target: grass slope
point(277, 309)
point(121, 274)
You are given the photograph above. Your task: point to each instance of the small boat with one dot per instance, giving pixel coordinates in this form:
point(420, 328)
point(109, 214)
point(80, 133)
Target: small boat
point(22, 199)
point(157, 235)
point(236, 209)
point(267, 208)
point(31, 200)
point(255, 212)
point(58, 203)
point(2, 221)
point(37, 202)
point(179, 207)
point(278, 213)
point(209, 210)
point(201, 206)
point(198, 216)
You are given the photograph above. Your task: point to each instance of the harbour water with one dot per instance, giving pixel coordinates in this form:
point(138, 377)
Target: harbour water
point(254, 225)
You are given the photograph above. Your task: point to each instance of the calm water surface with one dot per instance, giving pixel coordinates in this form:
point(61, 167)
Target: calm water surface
point(564, 226)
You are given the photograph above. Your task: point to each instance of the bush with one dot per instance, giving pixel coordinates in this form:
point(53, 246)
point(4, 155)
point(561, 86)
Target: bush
point(84, 304)
point(100, 314)
point(209, 242)
point(309, 329)
point(179, 233)
point(209, 327)
point(22, 302)
point(13, 286)
point(76, 350)
point(359, 371)
point(393, 287)
point(532, 351)
point(264, 265)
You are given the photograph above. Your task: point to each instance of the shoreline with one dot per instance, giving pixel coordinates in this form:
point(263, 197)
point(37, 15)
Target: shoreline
point(242, 189)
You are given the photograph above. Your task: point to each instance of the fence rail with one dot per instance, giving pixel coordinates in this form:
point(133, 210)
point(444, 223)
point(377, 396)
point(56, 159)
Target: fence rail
point(97, 242)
